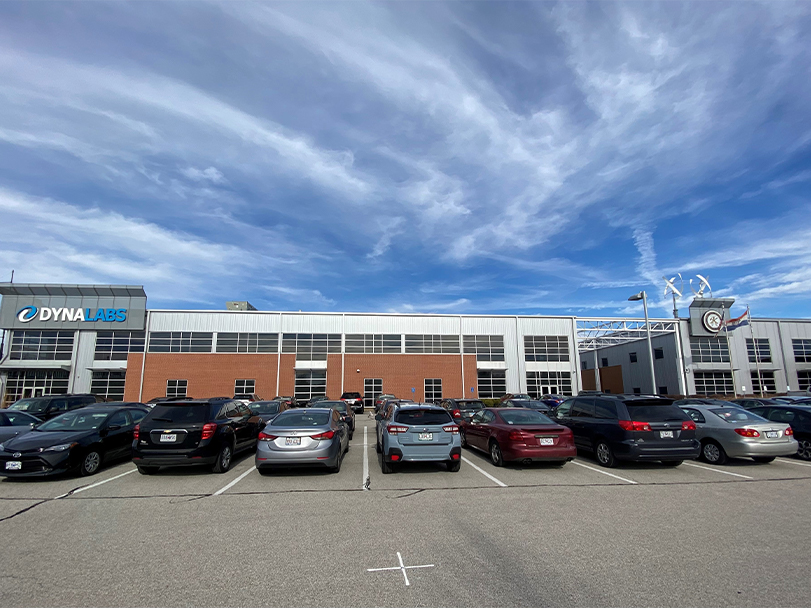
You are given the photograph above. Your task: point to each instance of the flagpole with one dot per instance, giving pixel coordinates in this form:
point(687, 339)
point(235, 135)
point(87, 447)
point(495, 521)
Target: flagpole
point(757, 352)
point(729, 350)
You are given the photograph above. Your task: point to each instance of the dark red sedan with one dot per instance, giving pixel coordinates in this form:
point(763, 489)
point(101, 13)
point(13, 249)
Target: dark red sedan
point(517, 434)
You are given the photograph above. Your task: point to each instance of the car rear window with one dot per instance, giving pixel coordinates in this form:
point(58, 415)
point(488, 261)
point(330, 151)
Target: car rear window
point(734, 414)
point(265, 407)
point(336, 405)
point(350, 396)
point(410, 416)
point(301, 419)
point(180, 413)
point(471, 405)
point(527, 416)
point(655, 413)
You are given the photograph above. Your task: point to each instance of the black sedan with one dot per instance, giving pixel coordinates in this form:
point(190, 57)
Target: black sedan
point(79, 441)
point(13, 423)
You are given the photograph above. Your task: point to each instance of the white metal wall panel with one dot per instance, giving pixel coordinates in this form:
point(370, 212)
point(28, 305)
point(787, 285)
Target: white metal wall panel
point(406, 324)
point(84, 351)
point(215, 321)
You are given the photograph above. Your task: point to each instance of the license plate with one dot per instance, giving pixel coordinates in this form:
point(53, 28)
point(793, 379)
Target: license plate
point(772, 434)
point(168, 438)
point(292, 441)
point(14, 465)
point(426, 437)
point(547, 440)
point(666, 434)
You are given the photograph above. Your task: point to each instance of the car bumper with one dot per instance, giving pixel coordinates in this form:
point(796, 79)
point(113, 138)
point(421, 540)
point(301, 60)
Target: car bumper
point(539, 454)
point(631, 450)
point(741, 449)
point(39, 465)
point(438, 453)
point(205, 455)
point(323, 455)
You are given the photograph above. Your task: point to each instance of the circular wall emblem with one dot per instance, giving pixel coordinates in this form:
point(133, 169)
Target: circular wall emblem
point(26, 313)
point(712, 321)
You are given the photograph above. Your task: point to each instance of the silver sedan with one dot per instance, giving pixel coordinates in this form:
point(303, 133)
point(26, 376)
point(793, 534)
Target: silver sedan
point(305, 436)
point(731, 432)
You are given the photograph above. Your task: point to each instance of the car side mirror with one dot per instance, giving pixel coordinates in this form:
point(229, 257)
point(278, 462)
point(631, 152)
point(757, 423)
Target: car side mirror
point(378, 417)
point(113, 427)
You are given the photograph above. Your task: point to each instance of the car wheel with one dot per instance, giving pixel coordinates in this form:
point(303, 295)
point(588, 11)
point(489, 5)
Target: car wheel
point(763, 459)
point(462, 439)
point(713, 453)
point(337, 467)
point(495, 454)
point(91, 463)
point(224, 459)
point(671, 463)
point(454, 466)
point(147, 470)
point(386, 467)
point(604, 455)
point(804, 449)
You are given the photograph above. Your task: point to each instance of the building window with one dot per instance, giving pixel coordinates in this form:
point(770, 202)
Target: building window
point(767, 377)
point(247, 343)
point(546, 348)
point(374, 343)
point(244, 387)
point(433, 389)
point(713, 383)
point(492, 384)
point(180, 342)
point(604, 362)
point(709, 350)
point(311, 347)
point(432, 344)
point(637, 391)
point(45, 345)
point(115, 345)
point(548, 383)
point(764, 351)
point(802, 350)
point(584, 364)
point(804, 379)
point(35, 383)
point(659, 353)
point(310, 383)
point(176, 388)
point(372, 389)
point(633, 357)
point(109, 384)
point(663, 390)
point(486, 348)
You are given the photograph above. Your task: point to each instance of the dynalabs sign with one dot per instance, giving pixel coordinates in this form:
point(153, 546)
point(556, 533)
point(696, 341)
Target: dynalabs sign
point(34, 313)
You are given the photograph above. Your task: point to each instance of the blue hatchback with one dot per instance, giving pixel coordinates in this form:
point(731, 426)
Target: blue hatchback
point(417, 432)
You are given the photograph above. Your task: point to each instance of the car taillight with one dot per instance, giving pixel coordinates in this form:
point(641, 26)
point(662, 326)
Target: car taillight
point(516, 436)
point(393, 429)
point(788, 432)
point(327, 435)
point(136, 432)
point(634, 425)
point(747, 432)
point(266, 437)
point(688, 425)
point(208, 430)
point(451, 428)
point(457, 413)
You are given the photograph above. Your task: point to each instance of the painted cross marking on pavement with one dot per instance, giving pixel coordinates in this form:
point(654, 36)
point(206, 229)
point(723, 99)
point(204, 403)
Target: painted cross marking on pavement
point(401, 567)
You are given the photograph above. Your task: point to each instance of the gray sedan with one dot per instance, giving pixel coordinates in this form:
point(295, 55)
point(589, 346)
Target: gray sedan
point(304, 436)
point(732, 432)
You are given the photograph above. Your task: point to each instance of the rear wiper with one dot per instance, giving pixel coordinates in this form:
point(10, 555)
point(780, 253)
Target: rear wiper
point(163, 419)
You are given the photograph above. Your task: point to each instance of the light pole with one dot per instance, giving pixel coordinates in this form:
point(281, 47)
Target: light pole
point(644, 297)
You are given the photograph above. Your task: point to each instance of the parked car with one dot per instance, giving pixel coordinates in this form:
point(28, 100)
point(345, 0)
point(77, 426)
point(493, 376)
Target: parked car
point(558, 399)
point(798, 417)
point(748, 403)
point(703, 401)
point(381, 399)
point(198, 432)
point(732, 432)
point(312, 401)
point(50, 406)
point(247, 398)
point(515, 397)
point(461, 408)
point(268, 410)
point(417, 432)
point(542, 406)
point(81, 440)
point(523, 434)
point(354, 400)
point(630, 427)
point(346, 413)
point(14, 423)
point(789, 399)
point(307, 436)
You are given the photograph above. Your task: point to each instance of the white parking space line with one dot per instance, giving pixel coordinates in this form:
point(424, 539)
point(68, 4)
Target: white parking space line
point(797, 462)
point(585, 466)
point(364, 482)
point(485, 473)
point(402, 567)
point(235, 482)
point(94, 485)
point(698, 466)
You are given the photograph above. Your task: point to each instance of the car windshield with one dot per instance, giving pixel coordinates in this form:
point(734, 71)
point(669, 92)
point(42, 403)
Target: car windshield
point(426, 416)
point(536, 405)
point(303, 419)
point(32, 406)
point(336, 405)
point(350, 396)
point(179, 414)
point(737, 415)
point(525, 417)
point(655, 413)
point(471, 405)
point(265, 407)
point(75, 421)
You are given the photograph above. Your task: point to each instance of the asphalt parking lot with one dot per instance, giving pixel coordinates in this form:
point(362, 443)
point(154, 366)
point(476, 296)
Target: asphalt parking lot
point(579, 535)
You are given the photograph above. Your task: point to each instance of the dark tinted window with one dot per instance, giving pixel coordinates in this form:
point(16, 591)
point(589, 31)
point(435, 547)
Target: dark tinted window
point(301, 419)
point(76, 402)
point(179, 414)
point(137, 415)
point(350, 396)
point(527, 416)
point(655, 413)
point(244, 410)
point(265, 407)
point(565, 408)
point(471, 405)
point(780, 415)
point(583, 407)
point(120, 419)
point(605, 408)
point(336, 405)
point(32, 406)
point(488, 416)
point(694, 414)
point(411, 416)
point(59, 405)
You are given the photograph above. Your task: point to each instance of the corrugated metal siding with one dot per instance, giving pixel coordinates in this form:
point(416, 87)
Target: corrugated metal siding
point(85, 351)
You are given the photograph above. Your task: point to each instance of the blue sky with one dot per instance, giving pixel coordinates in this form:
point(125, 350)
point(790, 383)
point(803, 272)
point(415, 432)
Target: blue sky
point(511, 158)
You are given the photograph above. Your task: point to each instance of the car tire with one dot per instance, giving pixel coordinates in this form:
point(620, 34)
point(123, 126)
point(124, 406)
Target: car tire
point(91, 463)
point(462, 438)
point(671, 463)
point(604, 455)
point(386, 467)
point(763, 459)
point(337, 467)
point(713, 453)
point(496, 457)
point(147, 470)
point(804, 449)
point(224, 458)
point(454, 466)
point(352, 434)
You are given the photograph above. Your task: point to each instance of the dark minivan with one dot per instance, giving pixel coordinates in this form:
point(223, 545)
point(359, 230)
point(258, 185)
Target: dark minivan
point(629, 427)
point(196, 432)
point(50, 406)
